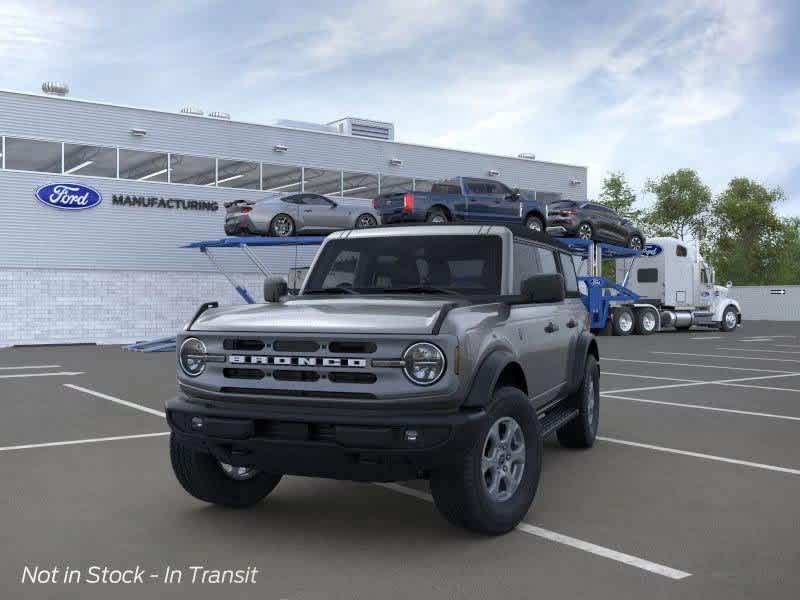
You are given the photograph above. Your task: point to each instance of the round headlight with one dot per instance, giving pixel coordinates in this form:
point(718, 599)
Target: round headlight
point(190, 357)
point(425, 363)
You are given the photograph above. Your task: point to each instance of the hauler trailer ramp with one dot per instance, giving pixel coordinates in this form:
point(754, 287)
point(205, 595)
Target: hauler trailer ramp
point(245, 244)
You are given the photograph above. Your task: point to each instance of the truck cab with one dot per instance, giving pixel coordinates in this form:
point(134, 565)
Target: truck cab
point(672, 276)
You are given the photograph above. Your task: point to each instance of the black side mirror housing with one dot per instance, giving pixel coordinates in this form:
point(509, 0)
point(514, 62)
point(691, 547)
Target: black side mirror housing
point(545, 287)
point(275, 288)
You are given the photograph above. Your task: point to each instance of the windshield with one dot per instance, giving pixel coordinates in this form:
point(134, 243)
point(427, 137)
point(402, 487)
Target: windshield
point(462, 264)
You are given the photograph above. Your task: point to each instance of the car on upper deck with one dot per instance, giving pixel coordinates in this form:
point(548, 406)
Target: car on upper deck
point(594, 221)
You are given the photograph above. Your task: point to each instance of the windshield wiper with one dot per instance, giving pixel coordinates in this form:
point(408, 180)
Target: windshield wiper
point(419, 289)
point(331, 290)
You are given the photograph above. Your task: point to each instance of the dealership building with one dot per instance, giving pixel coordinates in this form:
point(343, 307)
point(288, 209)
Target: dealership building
point(113, 272)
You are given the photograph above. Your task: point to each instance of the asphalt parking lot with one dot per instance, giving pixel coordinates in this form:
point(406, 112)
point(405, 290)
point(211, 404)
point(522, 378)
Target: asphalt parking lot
point(692, 490)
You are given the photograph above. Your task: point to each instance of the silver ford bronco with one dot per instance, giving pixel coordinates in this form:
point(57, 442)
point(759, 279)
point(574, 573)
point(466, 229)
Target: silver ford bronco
point(439, 352)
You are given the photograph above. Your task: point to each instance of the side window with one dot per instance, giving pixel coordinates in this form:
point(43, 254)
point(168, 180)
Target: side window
point(703, 276)
point(343, 270)
point(474, 187)
point(293, 199)
point(526, 264)
point(547, 261)
point(647, 275)
point(316, 201)
point(680, 251)
point(568, 271)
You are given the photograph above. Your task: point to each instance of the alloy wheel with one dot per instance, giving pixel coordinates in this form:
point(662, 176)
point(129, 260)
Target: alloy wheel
point(585, 231)
point(282, 226)
point(503, 459)
point(635, 243)
point(365, 221)
point(535, 224)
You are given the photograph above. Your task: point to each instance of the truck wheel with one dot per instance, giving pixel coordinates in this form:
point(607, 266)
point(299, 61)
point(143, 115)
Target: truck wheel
point(492, 487)
point(582, 430)
point(730, 319)
point(646, 321)
point(534, 223)
point(585, 231)
point(622, 323)
point(437, 216)
point(205, 478)
point(635, 242)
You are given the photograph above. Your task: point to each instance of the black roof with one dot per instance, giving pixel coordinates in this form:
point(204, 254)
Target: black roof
point(519, 231)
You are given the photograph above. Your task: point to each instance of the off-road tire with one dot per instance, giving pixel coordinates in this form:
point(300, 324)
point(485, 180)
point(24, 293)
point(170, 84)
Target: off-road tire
point(272, 226)
point(201, 475)
point(459, 490)
point(640, 327)
point(619, 322)
point(436, 215)
point(723, 326)
point(582, 430)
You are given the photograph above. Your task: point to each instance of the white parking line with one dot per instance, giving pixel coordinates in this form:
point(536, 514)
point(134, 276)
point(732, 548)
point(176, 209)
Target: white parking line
point(677, 364)
point(732, 382)
point(711, 337)
point(759, 350)
point(636, 375)
point(22, 375)
point(733, 461)
point(566, 540)
point(747, 413)
point(786, 345)
point(30, 367)
point(793, 360)
point(86, 441)
point(146, 409)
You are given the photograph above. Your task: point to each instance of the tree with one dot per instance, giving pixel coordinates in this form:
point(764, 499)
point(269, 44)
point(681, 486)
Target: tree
point(749, 242)
point(682, 201)
point(618, 195)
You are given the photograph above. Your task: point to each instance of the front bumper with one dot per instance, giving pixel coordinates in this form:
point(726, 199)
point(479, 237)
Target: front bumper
point(391, 447)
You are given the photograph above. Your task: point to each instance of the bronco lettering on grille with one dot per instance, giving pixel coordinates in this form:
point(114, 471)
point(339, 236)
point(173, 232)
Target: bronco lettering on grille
point(297, 361)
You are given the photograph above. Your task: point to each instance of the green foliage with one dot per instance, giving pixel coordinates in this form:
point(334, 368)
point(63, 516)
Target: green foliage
point(749, 243)
point(618, 196)
point(681, 205)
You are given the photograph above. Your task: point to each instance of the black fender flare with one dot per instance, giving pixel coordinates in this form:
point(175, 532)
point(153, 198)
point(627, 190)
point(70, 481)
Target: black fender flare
point(480, 392)
point(585, 344)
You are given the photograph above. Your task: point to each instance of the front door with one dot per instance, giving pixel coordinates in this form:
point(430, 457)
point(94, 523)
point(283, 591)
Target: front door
point(322, 214)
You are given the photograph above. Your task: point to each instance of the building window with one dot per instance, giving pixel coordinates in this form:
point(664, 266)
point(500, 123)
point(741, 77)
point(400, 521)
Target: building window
point(423, 185)
point(90, 160)
point(196, 170)
point(360, 185)
point(238, 174)
point(323, 181)
point(33, 155)
point(144, 166)
point(396, 185)
point(280, 178)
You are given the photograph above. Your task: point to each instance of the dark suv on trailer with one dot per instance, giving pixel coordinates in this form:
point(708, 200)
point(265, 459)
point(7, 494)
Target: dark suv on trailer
point(436, 352)
point(593, 221)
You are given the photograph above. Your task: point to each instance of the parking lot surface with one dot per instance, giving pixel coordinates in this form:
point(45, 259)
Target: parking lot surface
point(691, 491)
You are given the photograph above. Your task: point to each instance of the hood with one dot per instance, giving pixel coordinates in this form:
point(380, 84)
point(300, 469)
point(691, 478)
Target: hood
point(326, 315)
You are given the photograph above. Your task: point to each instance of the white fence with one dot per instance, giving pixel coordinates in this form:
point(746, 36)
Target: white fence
point(768, 302)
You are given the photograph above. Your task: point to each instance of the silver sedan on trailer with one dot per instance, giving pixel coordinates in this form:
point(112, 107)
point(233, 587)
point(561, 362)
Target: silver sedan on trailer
point(285, 215)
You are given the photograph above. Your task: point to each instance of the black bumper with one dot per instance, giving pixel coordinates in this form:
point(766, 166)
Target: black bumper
point(386, 448)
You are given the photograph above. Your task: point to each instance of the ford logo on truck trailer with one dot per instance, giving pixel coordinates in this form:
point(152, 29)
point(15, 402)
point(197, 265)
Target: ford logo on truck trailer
point(68, 196)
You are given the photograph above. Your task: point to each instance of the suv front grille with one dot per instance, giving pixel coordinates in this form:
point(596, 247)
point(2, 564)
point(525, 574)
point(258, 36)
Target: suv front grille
point(297, 393)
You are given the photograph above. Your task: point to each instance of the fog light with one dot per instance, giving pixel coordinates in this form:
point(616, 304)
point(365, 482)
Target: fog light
point(197, 423)
point(411, 435)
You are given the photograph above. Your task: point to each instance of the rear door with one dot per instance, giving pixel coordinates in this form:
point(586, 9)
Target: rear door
point(477, 199)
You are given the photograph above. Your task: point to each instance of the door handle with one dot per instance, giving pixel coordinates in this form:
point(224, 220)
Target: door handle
point(308, 210)
point(572, 323)
point(551, 328)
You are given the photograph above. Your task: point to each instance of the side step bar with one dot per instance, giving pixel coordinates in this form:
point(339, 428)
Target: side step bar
point(556, 418)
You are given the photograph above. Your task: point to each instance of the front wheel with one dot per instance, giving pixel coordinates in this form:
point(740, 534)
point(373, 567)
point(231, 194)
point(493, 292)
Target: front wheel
point(730, 319)
point(534, 223)
point(635, 242)
point(209, 480)
point(492, 487)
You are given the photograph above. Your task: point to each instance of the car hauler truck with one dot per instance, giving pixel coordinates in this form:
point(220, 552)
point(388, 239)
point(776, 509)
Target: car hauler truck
point(667, 285)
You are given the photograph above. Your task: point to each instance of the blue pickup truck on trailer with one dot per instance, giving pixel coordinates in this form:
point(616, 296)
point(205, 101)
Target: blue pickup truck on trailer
point(464, 199)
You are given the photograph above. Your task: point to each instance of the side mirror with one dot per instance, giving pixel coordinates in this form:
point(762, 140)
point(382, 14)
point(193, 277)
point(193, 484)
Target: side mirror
point(333, 204)
point(547, 287)
point(274, 289)
point(514, 195)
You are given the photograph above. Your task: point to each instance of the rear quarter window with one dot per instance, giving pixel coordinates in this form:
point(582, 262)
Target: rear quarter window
point(647, 275)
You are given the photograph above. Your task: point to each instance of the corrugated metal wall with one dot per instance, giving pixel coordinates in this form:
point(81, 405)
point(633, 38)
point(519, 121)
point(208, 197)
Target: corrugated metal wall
point(768, 303)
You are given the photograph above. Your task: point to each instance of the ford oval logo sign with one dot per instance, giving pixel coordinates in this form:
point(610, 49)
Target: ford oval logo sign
point(68, 196)
point(652, 250)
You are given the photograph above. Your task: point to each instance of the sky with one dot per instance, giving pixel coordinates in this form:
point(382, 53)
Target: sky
point(639, 87)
